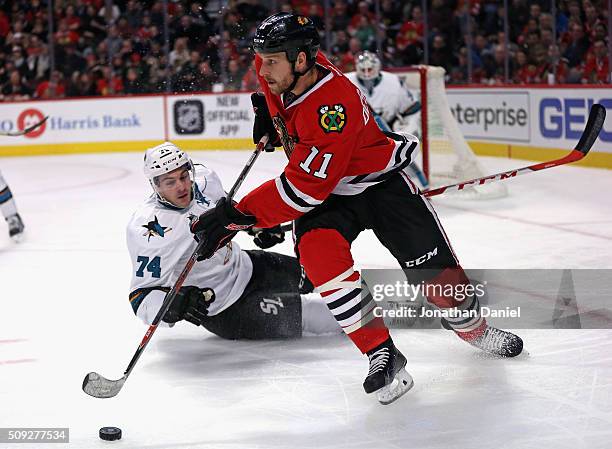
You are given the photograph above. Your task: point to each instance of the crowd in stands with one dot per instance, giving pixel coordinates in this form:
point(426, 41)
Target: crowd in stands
point(121, 50)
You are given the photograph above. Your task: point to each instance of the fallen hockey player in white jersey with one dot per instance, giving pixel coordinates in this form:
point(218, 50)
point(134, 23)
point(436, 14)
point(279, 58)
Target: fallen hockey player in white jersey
point(395, 107)
point(235, 294)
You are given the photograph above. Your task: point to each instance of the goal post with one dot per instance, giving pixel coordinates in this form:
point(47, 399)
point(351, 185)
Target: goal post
point(446, 155)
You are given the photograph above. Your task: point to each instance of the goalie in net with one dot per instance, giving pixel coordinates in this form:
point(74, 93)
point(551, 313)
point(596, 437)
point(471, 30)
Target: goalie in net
point(414, 101)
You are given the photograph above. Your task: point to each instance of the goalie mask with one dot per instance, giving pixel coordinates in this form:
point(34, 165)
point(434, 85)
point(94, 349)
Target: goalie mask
point(164, 159)
point(367, 66)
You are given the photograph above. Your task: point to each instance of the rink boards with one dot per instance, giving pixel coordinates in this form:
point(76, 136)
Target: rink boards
point(527, 123)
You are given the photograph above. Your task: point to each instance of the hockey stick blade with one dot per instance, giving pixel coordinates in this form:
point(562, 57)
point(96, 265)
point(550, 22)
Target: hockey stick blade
point(597, 116)
point(100, 387)
point(25, 131)
point(588, 138)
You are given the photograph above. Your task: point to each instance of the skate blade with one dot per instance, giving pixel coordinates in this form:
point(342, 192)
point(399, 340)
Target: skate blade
point(17, 238)
point(402, 382)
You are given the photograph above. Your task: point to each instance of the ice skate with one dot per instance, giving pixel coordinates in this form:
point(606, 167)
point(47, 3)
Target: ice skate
point(387, 375)
point(492, 340)
point(16, 227)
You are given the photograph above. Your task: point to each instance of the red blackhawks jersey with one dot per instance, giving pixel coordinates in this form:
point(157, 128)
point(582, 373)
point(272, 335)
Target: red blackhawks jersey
point(333, 144)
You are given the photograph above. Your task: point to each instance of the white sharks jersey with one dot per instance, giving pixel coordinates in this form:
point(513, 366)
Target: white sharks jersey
point(388, 98)
point(160, 243)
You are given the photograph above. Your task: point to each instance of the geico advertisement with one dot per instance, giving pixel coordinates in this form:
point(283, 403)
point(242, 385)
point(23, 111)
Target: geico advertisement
point(218, 116)
point(490, 114)
point(99, 120)
point(560, 116)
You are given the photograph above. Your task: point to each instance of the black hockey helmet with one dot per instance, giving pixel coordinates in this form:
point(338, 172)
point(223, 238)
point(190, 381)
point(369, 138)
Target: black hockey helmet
point(287, 32)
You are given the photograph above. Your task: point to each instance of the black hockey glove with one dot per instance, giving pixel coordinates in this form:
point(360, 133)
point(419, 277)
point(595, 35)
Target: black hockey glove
point(218, 226)
point(263, 122)
point(267, 237)
point(191, 304)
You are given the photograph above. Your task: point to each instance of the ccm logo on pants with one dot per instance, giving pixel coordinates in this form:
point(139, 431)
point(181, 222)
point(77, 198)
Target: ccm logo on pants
point(424, 258)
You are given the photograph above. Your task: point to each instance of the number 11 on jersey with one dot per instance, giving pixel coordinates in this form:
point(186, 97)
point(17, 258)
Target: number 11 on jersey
point(322, 171)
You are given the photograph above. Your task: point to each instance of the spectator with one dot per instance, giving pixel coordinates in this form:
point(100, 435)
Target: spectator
point(315, 14)
point(52, 88)
point(74, 23)
point(188, 30)
point(440, 54)
point(113, 41)
point(340, 43)
point(38, 59)
point(72, 61)
point(132, 83)
point(340, 16)
point(133, 14)
point(578, 47)
point(180, 54)
point(410, 37)
point(494, 66)
point(250, 83)
point(366, 34)
point(93, 27)
point(363, 11)
point(20, 61)
point(597, 68)
point(556, 69)
point(82, 86)
point(525, 71)
point(251, 11)
point(109, 83)
point(391, 15)
point(64, 35)
point(16, 89)
point(520, 14)
point(234, 76)
point(111, 15)
point(347, 60)
point(459, 71)
point(206, 77)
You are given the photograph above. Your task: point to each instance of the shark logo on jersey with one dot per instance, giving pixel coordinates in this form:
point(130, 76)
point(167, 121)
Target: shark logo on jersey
point(153, 228)
point(200, 198)
point(332, 119)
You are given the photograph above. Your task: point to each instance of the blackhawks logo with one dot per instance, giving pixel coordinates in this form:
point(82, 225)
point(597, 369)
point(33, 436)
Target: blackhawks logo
point(332, 119)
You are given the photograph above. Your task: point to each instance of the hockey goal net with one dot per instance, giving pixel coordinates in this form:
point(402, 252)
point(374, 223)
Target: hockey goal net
point(446, 156)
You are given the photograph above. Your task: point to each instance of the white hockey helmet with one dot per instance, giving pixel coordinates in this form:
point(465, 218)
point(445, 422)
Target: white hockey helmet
point(163, 159)
point(367, 66)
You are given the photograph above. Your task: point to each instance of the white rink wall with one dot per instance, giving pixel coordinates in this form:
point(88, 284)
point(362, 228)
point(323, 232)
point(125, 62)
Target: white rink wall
point(532, 122)
point(204, 121)
point(515, 122)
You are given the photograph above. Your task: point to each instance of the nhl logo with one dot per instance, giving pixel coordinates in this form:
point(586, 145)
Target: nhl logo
point(189, 117)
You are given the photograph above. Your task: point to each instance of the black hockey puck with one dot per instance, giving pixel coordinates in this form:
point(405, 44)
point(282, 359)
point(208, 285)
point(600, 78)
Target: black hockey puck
point(110, 433)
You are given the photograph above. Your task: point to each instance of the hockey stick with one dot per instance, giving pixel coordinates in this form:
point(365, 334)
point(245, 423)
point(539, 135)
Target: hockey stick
point(25, 131)
point(589, 135)
point(97, 385)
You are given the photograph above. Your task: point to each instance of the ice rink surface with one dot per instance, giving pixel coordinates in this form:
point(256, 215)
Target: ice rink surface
point(64, 311)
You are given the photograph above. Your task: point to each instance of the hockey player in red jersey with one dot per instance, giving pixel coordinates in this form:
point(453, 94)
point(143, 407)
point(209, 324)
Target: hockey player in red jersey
point(344, 175)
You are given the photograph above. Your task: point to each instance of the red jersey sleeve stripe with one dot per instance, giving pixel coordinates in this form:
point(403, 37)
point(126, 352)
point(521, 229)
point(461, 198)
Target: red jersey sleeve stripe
point(293, 197)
